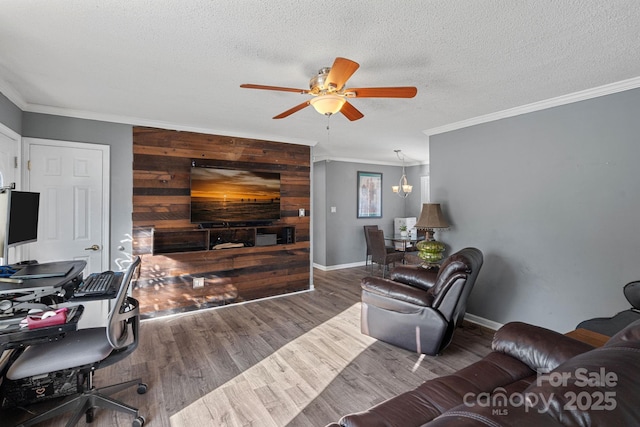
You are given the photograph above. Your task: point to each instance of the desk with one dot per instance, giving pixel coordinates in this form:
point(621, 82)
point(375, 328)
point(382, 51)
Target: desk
point(48, 285)
point(23, 296)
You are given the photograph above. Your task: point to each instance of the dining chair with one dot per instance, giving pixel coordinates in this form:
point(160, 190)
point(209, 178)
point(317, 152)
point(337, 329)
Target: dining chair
point(388, 248)
point(379, 253)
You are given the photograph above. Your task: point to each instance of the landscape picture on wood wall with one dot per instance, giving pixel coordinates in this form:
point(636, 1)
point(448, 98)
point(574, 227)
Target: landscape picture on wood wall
point(234, 196)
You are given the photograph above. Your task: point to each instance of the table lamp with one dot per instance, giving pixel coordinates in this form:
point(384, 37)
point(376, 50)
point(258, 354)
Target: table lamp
point(430, 250)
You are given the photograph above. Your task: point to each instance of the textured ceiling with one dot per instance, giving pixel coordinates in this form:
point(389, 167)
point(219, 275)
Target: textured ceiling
point(179, 63)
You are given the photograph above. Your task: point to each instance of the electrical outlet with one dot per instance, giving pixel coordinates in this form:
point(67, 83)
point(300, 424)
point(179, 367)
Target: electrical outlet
point(301, 212)
point(198, 282)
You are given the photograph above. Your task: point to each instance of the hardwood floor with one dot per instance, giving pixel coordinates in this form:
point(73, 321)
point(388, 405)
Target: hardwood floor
point(297, 360)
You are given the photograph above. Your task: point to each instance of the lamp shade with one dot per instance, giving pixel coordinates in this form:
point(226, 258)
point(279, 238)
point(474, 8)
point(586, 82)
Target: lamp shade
point(328, 104)
point(431, 217)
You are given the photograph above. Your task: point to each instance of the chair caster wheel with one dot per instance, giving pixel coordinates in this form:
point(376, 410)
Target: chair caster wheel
point(142, 388)
point(138, 422)
point(89, 415)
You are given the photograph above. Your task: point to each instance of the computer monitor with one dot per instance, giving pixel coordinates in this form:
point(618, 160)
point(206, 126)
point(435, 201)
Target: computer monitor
point(19, 214)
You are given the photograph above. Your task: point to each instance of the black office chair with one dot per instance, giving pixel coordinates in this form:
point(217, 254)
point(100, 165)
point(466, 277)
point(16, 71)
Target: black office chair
point(610, 326)
point(88, 350)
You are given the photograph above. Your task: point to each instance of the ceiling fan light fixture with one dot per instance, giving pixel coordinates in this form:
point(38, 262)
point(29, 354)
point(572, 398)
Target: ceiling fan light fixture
point(327, 88)
point(328, 104)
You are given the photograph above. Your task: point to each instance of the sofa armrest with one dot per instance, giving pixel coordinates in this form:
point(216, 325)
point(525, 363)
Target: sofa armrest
point(396, 291)
point(416, 276)
point(539, 348)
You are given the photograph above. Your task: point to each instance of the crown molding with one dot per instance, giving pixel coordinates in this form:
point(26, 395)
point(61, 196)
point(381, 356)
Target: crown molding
point(136, 121)
point(583, 95)
point(633, 83)
point(328, 158)
point(12, 95)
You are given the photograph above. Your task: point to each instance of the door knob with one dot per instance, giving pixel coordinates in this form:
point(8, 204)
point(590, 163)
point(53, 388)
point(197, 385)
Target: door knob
point(92, 248)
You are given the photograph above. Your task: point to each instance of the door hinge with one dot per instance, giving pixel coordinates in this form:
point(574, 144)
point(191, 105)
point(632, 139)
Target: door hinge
point(15, 162)
point(28, 165)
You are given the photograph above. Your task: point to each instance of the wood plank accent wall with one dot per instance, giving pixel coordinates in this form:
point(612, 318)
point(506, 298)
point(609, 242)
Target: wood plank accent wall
point(161, 168)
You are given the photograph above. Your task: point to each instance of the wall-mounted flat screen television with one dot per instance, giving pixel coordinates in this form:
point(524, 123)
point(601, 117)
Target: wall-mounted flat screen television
point(234, 196)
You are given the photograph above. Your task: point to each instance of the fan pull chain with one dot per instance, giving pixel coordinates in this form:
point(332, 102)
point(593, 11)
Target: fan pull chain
point(328, 129)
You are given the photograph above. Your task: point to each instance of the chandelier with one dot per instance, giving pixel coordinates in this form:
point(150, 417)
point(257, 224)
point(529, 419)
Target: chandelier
point(403, 189)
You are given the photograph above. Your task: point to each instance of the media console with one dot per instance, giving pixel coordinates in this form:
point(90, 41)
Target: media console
point(167, 241)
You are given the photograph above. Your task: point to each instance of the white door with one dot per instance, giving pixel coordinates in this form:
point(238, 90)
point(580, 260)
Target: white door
point(8, 159)
point(72, 179)
point(9, 144)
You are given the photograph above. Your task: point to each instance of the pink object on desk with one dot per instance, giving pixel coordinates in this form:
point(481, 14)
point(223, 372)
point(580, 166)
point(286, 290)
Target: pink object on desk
point(48, 318)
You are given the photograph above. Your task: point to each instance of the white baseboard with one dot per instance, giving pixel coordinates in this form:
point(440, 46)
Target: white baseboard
point(338, 267)
point(482, 321)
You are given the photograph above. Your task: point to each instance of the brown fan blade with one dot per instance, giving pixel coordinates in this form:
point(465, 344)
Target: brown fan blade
point(283, 89)
point(382, 92)
point(351, 112)
point(290, 111)
point(341, 70)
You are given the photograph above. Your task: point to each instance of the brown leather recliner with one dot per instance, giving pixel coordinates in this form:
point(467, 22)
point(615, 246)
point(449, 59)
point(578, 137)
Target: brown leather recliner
point(417, 308)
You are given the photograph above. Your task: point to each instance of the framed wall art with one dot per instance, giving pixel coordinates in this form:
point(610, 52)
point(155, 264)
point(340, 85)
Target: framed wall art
point(369, 195)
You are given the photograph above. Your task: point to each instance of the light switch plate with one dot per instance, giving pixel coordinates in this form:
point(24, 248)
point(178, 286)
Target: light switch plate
point(198, 282)
point(301, 212)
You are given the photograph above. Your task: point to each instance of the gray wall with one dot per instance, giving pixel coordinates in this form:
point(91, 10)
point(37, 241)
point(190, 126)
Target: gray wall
point(319, 213)
point(552, 199)
point(10, 115)
point(120, 138)
point(339, 237)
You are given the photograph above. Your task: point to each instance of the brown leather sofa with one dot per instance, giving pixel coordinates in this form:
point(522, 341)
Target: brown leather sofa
point(533, 377)
point(416, 308)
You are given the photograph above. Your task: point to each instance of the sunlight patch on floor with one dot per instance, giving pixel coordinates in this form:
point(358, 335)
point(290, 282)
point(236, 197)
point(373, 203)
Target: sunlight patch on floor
point(274, 391)
point(418, 363)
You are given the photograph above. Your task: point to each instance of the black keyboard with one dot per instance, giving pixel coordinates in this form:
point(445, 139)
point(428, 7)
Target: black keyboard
point(96, 284)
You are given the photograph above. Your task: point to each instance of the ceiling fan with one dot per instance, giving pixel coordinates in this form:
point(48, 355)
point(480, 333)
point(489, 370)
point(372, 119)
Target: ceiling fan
point(329, 93)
